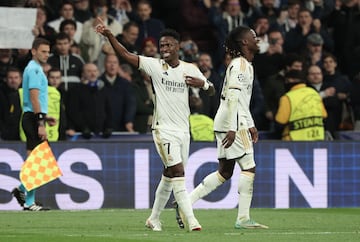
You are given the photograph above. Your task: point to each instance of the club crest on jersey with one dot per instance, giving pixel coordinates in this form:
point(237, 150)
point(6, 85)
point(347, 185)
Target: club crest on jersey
point(241, 77)
point(165, 66)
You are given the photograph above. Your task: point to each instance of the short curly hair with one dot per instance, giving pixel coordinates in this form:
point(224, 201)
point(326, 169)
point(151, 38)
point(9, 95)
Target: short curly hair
point(171, 33)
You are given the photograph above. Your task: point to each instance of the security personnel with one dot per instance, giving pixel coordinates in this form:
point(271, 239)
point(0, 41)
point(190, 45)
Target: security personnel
point(301, 111)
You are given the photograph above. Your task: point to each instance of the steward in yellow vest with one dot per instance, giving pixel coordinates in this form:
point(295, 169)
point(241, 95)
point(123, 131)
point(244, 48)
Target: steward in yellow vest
point(201, 128)
point(301, 111)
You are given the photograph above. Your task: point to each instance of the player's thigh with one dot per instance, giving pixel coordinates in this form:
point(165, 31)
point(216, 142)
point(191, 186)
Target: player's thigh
point(169, 146)
point(241, 145)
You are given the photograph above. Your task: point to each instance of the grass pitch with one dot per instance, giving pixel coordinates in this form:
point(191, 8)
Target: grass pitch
point(127, 225)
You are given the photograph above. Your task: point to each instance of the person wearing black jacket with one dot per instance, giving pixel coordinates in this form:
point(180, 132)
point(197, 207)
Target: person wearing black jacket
point(10, 108)
point(88, 106)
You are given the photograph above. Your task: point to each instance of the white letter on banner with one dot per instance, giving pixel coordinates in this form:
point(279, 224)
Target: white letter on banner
point(72, 179)
point(142, 180)
point(196, 160)
point(287, 168)
point(15, 161)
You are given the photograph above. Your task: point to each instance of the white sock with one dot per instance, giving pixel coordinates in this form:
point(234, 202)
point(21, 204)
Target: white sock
point(162, 196)
point(209, 184)
point(246, 184)
point(182, 197)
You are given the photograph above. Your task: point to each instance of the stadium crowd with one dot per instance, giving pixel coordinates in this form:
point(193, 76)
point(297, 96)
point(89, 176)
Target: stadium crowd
point(100, 93)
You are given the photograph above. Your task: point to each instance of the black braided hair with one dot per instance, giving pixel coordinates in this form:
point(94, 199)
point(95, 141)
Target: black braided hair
point(233, 44)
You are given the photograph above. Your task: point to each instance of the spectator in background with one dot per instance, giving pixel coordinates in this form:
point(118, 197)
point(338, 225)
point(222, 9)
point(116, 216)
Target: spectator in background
point(129, 36)
point(70, 64)
point(6, 60)
point(82, 10)
point(288, 17)
point(128, 39)
point(121, 96)
point(328, 93)
point(195, 25)
point(274, 88)
point(23, 57)
point(272, 61)
point(121, 10)
point(301, 111)
point(10, 108)
point(42, 29)
point(343, 87)
point(344, 21)
point(49, 7)
point(313, 52)
point(189, 50)
point(67, 13)
point(68, 27)
point(89, 109)
point(225, 15)
point(57, 106)
point(261, 27)
point(268, 10)
point(144, 104)
point(210, 104)
point(148, 26)
point(91, 41)
point(295, 39)
point(149, 47)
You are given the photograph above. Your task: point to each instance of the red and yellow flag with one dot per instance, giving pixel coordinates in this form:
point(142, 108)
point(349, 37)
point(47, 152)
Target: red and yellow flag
point(39, 168)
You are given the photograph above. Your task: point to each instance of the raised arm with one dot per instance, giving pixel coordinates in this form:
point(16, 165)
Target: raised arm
point(119, 48)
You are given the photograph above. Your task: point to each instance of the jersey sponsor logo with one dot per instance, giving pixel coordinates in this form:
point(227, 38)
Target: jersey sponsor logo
point(174, 86)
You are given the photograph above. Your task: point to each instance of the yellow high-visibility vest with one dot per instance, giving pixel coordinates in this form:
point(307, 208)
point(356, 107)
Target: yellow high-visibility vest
point(306, 121)
point(201, 127)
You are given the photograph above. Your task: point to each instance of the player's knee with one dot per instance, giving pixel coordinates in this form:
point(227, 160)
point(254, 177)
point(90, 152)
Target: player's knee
point(174, 171)
point(226, 174)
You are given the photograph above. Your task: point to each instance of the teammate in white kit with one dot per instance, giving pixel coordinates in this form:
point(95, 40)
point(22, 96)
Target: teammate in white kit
point(171, 79)
point(234, 127)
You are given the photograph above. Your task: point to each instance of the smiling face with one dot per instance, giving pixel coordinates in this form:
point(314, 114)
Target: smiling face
point(253, 41)
point(169, 49)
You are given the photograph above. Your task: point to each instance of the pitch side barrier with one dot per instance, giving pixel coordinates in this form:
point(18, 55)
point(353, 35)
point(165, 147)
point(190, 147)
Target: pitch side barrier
point(124, 174)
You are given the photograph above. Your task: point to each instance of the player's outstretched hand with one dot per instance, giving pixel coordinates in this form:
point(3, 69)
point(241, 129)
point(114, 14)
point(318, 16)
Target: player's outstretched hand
point(101, 28)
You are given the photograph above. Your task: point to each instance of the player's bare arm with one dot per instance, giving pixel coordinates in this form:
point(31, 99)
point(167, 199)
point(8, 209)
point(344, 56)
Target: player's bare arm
point(119, 48)
point(196, 82)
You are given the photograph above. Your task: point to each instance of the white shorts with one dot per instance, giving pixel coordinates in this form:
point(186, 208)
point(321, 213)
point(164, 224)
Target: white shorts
point(172, 146)
point(241, 150)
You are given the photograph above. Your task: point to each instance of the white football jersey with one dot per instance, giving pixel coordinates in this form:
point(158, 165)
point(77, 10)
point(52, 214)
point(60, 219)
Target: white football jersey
point(171, 110)
point(234, 110)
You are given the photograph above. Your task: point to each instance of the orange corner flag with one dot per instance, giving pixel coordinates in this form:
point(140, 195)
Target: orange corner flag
point(39, 168)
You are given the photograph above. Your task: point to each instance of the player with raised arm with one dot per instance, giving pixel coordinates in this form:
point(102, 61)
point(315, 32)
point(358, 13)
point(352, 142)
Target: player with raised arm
point(171, 79)
point(234, 127)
